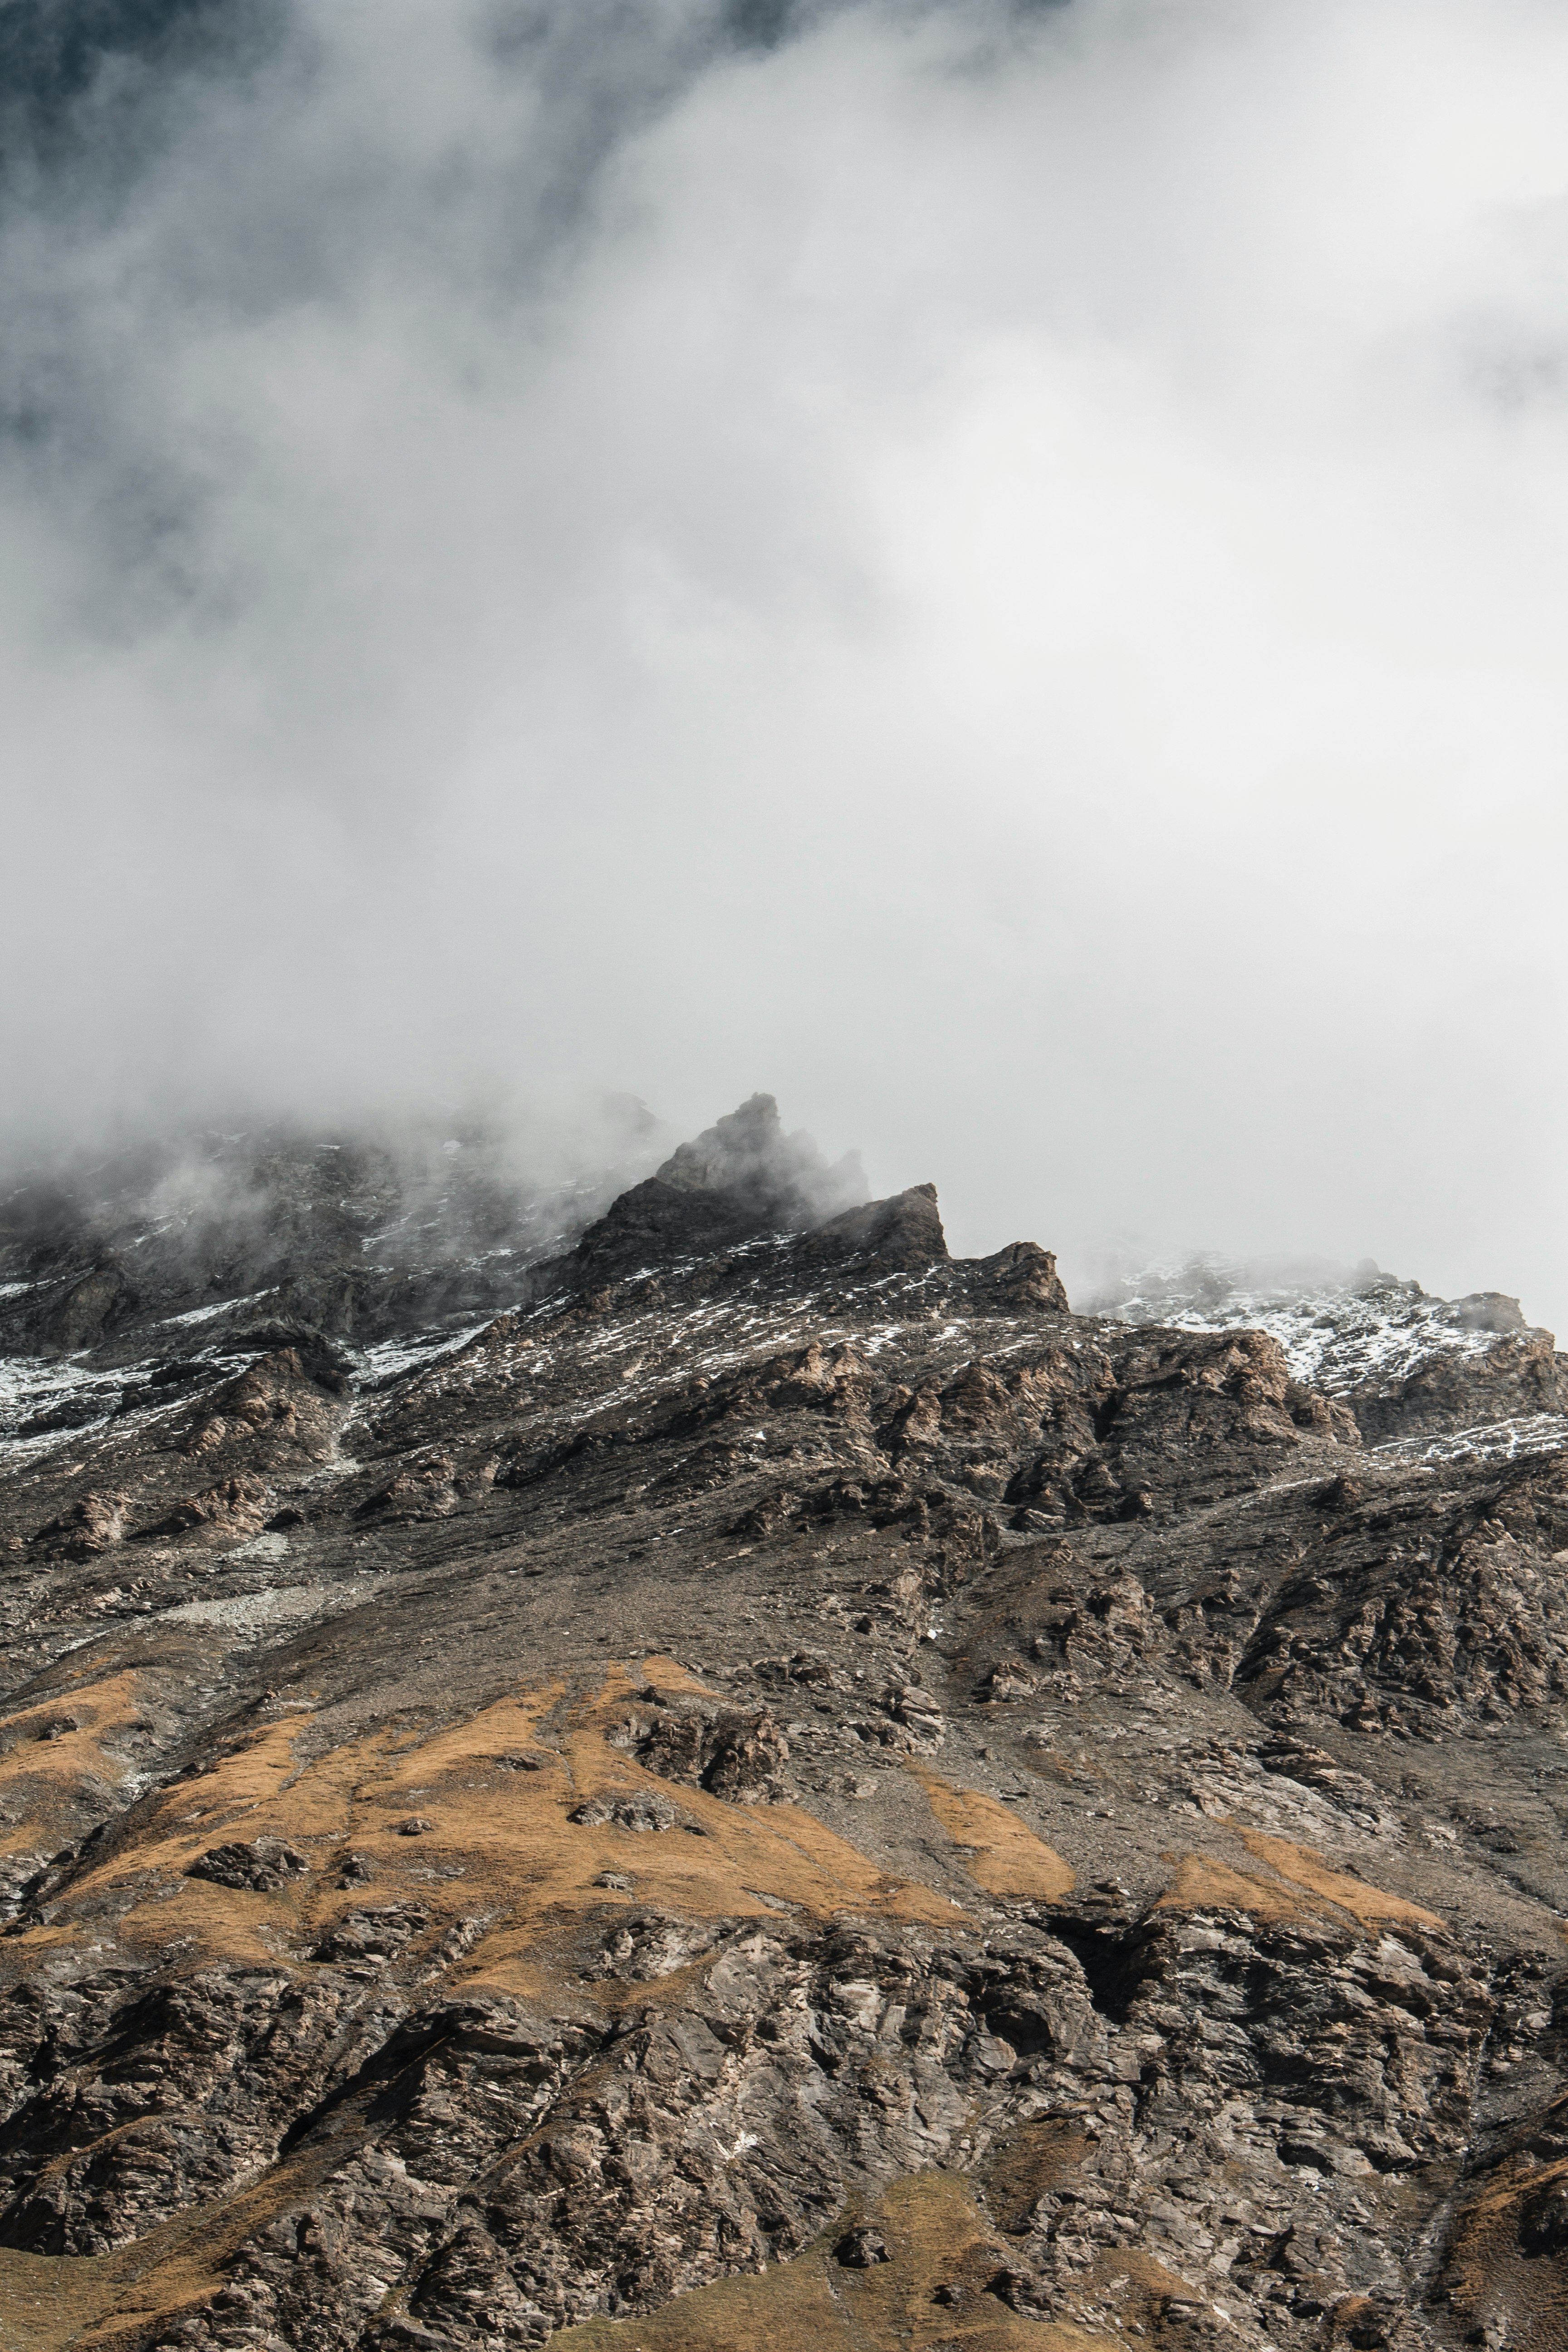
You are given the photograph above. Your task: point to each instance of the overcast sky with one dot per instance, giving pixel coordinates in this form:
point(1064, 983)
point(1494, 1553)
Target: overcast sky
point(996, 573)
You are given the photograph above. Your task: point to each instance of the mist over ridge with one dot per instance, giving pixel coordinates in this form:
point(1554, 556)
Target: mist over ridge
point(994, 571)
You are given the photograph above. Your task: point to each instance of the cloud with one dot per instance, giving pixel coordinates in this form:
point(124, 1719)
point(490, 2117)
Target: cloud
point(995, 572)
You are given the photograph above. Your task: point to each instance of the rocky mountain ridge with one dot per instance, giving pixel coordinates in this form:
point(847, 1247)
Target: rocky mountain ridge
point(724, 1777)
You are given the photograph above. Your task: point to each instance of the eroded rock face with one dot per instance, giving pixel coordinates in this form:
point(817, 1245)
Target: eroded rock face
point(261, 1866)
point(738, 1756)
point(783, 1766)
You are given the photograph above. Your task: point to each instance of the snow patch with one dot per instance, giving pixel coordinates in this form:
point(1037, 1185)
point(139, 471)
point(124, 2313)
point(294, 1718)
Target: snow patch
point(388, 1358)
point(1337, 1335)
point(207, 1314)
point(1492, 1441)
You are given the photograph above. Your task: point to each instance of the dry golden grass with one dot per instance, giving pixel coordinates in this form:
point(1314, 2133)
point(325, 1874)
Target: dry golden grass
point(936, 2236)
point(1007, 1858)
point(500, 1845)
point(1034, 2159)
point(1140, 2287)
point(1303, 1887)
point(1302, 1867)
point(1201, 1883)
point(37, 1773)
point(1495, 2283)
point(119, 2302)
point(258, 1790)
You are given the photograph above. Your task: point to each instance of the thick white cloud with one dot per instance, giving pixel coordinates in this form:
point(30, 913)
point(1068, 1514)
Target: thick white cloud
point(1000, 578)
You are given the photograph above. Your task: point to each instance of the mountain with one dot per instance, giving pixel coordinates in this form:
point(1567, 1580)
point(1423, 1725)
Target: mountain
point(655, 1762)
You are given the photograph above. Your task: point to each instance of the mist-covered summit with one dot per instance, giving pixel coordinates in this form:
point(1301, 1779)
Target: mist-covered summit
point(125, 1283)
point(127, 1280)
point(748, 1155)
point(363, 1230)
point(368, 1234)
point(742, 1179)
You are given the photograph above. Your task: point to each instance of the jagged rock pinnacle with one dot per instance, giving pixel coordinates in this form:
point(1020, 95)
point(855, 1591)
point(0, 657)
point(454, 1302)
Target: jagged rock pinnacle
point(742, 1179)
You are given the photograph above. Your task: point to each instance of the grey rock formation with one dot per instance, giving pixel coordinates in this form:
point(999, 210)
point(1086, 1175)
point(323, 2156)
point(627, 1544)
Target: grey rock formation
point(745, 1775)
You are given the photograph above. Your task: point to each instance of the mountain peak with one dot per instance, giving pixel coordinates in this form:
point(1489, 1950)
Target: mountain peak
point(747, 1153)
point(741, 1178)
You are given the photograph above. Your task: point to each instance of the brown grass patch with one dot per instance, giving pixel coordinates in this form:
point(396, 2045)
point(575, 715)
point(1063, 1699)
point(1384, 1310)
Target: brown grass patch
point(1311, 1888)
point(1007, 1857)
point(1494, 2283)
point(936, 2237)
point(113, 2303)
point(259, 1789)
point(1368, 1905)
point(41, 1771)
point(500, 1844)
point(1201, 1883)
point(1030, 2161)
point(1139, 2286)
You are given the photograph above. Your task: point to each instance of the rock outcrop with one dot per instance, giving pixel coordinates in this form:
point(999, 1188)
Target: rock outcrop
point(745, 1781)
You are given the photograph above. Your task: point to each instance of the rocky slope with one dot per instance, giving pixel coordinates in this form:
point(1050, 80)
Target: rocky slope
point(698, 1774)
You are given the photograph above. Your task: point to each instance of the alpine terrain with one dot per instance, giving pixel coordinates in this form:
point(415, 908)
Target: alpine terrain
point(687, 1772)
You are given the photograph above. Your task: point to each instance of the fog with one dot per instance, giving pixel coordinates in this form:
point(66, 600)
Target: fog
point(995, 572)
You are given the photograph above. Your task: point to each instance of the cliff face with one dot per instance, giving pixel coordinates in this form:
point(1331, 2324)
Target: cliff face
point(715, 1776)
